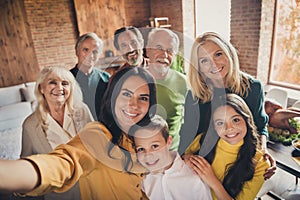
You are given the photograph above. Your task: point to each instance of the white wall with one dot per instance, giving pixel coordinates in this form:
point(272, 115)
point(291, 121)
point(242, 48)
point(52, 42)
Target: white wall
point(213, 15)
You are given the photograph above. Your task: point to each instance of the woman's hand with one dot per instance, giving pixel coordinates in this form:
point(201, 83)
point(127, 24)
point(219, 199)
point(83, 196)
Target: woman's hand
point(272, 169)
point(186, 159)
point(206, 173)
point(203, 169)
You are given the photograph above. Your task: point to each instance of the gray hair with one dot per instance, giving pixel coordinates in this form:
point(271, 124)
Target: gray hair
point(92, 35)
point(173, 35)
point(64, 74)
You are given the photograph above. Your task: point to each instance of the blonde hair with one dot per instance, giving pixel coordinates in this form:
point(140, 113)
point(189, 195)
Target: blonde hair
point(64, 74)
point(236, 81)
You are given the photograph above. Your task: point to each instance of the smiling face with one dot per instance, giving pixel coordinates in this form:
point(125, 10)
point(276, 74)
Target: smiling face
point(213, 62)
point(132, 103)
point(88, 53)
point(131, 48)
point(229, 125)
point(161, 52)
point(55, 89)
point(153, 149)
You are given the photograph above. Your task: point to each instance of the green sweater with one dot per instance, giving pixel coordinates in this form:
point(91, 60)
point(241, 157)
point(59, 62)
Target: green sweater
point(171, 93)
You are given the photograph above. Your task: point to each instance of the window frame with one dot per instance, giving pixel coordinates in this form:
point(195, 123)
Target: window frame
point(273, 53)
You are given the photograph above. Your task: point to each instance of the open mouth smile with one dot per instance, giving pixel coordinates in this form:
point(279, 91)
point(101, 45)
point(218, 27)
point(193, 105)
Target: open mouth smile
point(132, 53)
point(232, 135)
point(217, 70)
point(151, 164)
point(130, 115)
point(59, 94)
point(163, 61)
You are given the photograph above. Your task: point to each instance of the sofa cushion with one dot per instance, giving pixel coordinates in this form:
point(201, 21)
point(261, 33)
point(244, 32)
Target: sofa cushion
point(28, 92)
point(30, 84)
point(10, 143)
point(10, 95)
point(12, 116)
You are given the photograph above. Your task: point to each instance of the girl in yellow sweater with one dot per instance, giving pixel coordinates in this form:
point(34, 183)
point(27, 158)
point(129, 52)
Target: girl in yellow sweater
point(234, 169)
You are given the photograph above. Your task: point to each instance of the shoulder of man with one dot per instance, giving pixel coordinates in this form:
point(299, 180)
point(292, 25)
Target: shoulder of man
point(179, 77)
point(177, 74)
point(74, 70)
point(103, 74)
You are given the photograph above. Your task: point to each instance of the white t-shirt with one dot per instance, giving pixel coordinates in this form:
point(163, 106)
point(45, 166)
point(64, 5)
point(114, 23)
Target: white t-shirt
point(178, 182)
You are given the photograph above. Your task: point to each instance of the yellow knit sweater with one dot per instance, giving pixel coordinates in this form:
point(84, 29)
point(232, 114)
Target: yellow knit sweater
point(226, 154)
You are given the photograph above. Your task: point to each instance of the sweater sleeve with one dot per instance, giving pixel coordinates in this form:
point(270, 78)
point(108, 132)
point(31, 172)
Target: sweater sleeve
point(189, 128)
point(62, 168)
point(255, 101)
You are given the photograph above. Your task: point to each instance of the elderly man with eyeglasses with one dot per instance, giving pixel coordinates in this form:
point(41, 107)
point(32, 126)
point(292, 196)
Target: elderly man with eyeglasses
point(171, 86)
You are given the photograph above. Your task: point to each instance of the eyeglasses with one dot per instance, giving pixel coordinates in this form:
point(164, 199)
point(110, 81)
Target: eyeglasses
point(169, 51)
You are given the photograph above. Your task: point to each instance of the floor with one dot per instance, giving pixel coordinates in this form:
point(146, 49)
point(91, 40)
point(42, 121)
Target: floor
point(282, 186)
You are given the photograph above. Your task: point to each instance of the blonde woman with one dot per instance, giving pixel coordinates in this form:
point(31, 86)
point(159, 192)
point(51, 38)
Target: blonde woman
point(59, 116)
point(214, 71)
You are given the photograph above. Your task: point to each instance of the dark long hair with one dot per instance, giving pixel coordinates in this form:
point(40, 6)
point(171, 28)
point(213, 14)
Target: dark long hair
point(107, 109)
point(242, 170)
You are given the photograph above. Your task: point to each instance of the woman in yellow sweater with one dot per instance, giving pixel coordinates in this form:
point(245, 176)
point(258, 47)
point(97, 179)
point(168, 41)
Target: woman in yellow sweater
point(234, 169)
point(101, 157)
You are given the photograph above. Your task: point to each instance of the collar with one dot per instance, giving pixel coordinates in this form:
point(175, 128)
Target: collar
point(127, 143)
point(177, 164)
point(77, 70)
point(68, 121)
point(231, 148)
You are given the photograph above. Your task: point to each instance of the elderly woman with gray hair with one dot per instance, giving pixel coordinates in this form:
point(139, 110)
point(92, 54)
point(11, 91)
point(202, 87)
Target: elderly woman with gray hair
point(59, 116)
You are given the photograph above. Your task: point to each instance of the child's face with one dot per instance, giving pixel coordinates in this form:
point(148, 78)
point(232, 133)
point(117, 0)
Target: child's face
point(152, 149)
point(229, 125)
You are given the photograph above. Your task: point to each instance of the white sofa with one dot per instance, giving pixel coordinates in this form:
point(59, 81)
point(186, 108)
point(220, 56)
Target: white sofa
point(16, 103)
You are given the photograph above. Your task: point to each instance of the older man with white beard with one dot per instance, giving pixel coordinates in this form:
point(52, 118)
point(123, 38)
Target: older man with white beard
point(162, 48)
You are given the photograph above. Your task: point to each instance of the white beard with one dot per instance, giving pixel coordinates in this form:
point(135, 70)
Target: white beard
point(162, 70)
